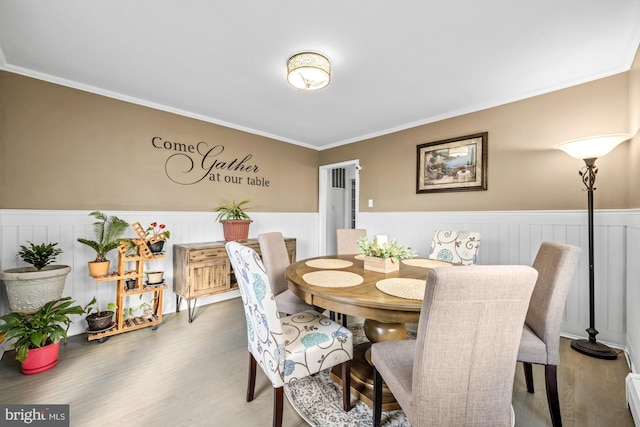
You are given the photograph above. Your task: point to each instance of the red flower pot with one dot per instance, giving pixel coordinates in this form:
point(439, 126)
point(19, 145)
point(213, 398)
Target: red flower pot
point(41, 359)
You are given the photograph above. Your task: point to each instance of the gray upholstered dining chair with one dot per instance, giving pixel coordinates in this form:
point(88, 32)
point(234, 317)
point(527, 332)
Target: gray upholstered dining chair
point(276, 260)
point(460, 369)
point(287, 348)
point(347, 240)
point(540, 344)
point(460, 247)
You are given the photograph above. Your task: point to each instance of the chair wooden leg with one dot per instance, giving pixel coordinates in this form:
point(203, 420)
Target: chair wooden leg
point(346, 385)
point(332, 315)
point(251, 385)
point(528, 376)
point(278, 393)
point(344, 320)
point(552, 394)
point(377, 397)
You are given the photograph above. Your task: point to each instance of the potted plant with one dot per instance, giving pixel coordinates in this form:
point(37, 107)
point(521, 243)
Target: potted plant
point(382, 255)
point(108, 231)
point(156, 235)
point(130, 283)
point(29, 288)
point(99, 319)
point(145, 305)
point(235, 221)
point(37, 336)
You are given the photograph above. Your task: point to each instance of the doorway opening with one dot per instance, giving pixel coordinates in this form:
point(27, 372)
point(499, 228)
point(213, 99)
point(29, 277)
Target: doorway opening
point(339, 192)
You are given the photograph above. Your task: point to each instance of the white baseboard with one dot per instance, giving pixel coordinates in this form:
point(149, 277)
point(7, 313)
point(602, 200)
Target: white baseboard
point(633, 396)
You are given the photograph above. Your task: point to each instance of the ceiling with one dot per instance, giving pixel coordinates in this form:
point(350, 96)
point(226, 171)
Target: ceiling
point(395, 65)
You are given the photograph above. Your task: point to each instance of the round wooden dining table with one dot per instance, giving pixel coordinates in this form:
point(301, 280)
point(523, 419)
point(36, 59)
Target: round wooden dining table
point(341, 284)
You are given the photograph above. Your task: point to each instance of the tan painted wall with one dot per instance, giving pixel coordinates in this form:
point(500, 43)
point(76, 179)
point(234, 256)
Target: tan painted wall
point(524, 171)
point(62, 148)
point(58, 145)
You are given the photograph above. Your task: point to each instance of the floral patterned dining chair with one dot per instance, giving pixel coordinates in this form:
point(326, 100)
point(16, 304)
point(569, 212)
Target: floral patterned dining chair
point(459, 247)
point(290, 347)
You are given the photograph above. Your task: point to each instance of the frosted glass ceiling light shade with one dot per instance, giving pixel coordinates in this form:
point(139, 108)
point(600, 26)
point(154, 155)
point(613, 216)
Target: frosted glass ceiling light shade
point(308, 71)
point(592, 147)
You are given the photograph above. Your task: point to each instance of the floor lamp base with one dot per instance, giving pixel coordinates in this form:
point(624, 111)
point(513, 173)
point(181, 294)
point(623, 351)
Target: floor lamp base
point(594, 349)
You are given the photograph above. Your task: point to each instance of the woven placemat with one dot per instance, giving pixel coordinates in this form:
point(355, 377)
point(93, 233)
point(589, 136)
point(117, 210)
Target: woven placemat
point(403, 288)
point(332, 278)
point(329, 263)
point(359, 256)
point(425, 263)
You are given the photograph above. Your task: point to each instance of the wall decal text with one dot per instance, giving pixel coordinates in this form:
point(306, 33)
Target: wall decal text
point(189, 164)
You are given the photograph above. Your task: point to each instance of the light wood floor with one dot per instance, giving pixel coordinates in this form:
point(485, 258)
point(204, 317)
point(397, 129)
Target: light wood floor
point(195, 375)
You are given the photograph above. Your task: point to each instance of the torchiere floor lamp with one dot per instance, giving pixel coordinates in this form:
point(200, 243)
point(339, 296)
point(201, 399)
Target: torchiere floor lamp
point(589, 149)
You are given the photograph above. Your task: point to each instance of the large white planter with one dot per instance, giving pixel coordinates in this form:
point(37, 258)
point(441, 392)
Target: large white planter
point(28, 290)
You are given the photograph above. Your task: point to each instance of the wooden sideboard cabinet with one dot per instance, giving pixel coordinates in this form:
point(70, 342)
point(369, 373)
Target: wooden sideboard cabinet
point(203, 269)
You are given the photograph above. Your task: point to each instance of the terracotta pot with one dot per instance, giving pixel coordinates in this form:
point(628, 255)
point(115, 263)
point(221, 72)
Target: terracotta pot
point(236, 230)
point(98, 269)
point(99, 321)
point(28, 290)
point(41, 359)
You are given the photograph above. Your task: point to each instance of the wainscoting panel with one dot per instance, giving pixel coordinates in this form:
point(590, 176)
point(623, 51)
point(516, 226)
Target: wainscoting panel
point(507, 238)
point(19, 226)
point(633, 288)
point(514, 238)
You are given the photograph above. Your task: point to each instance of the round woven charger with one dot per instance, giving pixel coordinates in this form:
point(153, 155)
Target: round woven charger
point(426, 263)
point(403, 288)
point(329, 263)
point(332, 279)
point(359, 256)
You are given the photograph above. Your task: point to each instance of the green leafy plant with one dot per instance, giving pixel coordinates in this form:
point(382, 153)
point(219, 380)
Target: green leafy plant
point(39, 255)
point(154, 229)
point(41, 328)
point(108, 230)
point(229, 210)
point(390, 249)
point(94, 307)
point(145, 305)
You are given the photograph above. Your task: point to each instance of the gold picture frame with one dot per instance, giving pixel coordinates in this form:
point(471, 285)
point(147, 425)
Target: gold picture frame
point(455, 164)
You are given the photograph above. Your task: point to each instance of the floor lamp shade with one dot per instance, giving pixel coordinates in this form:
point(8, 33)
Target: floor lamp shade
point(593, 147)
point(589, 149)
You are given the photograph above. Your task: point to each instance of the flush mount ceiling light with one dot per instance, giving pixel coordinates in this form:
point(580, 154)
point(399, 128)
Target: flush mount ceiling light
point(308, 71)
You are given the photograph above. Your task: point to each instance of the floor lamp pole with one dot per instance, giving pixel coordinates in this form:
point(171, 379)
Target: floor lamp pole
point(591, 347)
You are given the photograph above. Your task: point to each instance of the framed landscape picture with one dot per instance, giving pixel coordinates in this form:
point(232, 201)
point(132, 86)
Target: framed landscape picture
point(456, 164)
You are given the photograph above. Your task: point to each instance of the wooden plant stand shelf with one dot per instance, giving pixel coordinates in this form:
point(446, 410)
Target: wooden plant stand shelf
point(143, 253)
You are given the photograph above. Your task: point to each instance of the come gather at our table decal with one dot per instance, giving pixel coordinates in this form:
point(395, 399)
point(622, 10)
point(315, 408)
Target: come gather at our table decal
point(192, 163)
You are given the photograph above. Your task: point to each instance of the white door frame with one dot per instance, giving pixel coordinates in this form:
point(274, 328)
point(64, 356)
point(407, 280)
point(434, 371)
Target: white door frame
point(323, 187)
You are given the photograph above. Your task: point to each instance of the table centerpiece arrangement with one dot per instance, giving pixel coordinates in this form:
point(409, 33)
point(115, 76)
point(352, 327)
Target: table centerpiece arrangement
point(383, 255)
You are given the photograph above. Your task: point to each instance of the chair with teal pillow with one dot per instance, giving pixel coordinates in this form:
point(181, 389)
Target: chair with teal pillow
point(459, 247)
point(287, 348)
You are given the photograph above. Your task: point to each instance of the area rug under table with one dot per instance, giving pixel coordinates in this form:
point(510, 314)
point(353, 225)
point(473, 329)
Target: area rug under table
point(318, 399)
